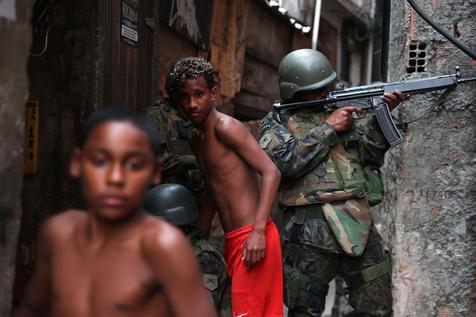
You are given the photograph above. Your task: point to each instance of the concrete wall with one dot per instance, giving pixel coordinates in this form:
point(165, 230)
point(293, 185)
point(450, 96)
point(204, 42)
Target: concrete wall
point(429, 213)
point(15, 41)
point(65, 82)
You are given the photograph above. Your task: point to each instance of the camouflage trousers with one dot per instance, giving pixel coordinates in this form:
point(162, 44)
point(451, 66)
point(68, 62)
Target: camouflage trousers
point(308, 271)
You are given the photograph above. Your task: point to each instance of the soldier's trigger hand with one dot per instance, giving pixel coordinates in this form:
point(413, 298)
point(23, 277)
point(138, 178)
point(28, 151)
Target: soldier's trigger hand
point(351, 109)
point(341, 119)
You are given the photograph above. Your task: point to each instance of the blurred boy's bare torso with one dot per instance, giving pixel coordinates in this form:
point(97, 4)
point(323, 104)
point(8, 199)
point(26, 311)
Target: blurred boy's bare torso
point(108, 278)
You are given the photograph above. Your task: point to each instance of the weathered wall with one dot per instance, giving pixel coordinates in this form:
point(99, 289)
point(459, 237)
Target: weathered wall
point(65, 82)
point(15, 42)
point(430, 209)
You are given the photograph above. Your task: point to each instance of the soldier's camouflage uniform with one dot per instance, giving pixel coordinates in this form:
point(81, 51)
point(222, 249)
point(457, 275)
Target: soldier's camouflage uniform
point(214, 273)
point(179, 162)
point(328, 181)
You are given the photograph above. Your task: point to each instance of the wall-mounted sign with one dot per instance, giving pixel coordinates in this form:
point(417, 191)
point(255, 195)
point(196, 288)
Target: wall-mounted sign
point(190, 18)
point(32, 123)
point(129, 16)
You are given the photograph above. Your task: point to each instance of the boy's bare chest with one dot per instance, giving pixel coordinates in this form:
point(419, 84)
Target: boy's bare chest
point(110, 283)
point(214, 156)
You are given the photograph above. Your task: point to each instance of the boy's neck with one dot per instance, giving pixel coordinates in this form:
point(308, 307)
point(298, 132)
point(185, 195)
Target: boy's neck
point(209, 122)
point(103, 231)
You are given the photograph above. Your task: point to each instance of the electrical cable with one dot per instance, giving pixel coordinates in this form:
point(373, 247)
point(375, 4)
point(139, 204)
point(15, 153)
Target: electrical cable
point(45, 46)
point(458, 44)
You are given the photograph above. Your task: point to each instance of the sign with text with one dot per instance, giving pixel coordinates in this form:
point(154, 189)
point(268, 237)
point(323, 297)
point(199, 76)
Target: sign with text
point(129, 17)
point(32, 124)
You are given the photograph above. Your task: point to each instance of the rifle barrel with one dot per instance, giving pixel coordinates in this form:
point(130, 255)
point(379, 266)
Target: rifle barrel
point(414, 86)
point(464, 80)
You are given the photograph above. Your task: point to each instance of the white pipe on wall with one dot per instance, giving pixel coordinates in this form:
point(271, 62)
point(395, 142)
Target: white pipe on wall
point(315, 27)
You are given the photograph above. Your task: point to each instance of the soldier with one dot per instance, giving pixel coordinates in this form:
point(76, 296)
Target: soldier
point(329, 164)
point(176, 204)
point(179, 162)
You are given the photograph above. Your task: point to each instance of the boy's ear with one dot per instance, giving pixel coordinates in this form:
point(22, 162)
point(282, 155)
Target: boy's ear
point(75, 166)
point(213, 93)
point(156, 178)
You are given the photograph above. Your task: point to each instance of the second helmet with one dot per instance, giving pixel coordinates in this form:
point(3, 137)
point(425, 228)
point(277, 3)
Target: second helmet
point(303, 70)
point(173, 202)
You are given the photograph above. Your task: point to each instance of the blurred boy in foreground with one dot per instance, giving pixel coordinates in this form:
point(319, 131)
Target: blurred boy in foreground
point(114, 259)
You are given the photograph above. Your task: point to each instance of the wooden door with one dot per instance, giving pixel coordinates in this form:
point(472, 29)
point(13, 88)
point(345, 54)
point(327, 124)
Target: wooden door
point(128, 53)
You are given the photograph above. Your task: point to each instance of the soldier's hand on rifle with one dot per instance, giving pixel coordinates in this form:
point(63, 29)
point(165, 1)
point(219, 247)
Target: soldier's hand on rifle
point(341, 119)
point(393, 99)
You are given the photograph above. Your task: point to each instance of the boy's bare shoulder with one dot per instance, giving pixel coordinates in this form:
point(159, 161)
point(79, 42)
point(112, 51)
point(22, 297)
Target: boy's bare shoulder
point(225, 121)
point(227, 125)
point(228, 128)
point(162, 237)
point(64, 223)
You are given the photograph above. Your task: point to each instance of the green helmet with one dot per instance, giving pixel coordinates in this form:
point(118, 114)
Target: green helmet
point(304, 70)
point(173, 202)
point(170, 81)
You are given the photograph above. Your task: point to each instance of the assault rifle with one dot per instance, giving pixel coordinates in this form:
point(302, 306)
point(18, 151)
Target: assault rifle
point(366, 98)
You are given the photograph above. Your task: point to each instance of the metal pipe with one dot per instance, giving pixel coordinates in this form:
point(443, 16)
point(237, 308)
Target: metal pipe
point(315, 26)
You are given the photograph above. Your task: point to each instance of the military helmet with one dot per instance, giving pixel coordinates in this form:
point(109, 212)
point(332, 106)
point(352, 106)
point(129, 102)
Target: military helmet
point(304, 70)
point(170, 80)
point(173, 202)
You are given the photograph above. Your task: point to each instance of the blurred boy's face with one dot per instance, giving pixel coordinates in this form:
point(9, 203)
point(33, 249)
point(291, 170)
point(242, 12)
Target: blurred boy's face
point(196, 99)
point(116, 166)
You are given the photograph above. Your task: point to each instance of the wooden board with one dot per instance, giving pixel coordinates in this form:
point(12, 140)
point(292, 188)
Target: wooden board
point(267, 37)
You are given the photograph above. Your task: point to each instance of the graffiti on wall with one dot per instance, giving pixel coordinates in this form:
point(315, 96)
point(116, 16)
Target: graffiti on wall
point(190, 18)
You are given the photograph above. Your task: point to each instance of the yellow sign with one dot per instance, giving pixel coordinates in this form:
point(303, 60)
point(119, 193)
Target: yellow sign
point(32, 123)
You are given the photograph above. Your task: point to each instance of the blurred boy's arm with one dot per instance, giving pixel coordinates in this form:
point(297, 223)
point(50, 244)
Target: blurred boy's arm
point(235, 135)
point(176, 267)
point(36, 299)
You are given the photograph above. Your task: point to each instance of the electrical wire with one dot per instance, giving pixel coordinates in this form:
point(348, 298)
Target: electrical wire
point(45, 46)
point(458, 44)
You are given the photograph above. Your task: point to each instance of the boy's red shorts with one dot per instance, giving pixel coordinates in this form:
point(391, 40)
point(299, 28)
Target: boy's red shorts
point(257, 291)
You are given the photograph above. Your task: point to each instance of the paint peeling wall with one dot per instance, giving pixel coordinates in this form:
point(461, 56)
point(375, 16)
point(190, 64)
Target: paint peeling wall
point(65, 83)
point(15, 42)
point(429, 214)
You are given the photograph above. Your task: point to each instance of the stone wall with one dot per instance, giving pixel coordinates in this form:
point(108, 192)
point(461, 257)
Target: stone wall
point(429, 213)
point(15, 42)
point(64, 80)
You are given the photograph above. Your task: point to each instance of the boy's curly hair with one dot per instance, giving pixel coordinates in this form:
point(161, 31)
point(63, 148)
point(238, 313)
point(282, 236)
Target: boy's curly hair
point(192, 67)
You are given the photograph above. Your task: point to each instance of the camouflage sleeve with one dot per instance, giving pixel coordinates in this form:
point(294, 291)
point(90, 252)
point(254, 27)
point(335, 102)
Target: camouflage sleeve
point(292, 156)
point(158, 118)
point(215, 278)
point(373, 144)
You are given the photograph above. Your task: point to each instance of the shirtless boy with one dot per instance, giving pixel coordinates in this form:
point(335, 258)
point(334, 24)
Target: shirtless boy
point(114, 259)
point(230, 159)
